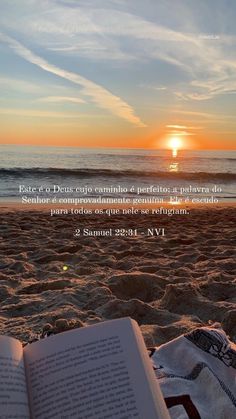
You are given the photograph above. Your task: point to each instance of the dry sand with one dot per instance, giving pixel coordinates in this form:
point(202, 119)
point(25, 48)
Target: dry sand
point(169, 284)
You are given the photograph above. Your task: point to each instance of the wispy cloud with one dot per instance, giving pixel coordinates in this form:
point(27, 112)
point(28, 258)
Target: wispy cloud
point(181, 130)
point(94, 47)
point(180, 133)
point(39, 113)
point(183, 127)
point(36, 113)
point(176, 126)
point(19, 85)
point(206, 115)
point(98, 94)
point(160, 88)
point(61, 99)
point(99, 33)
point(110, 33)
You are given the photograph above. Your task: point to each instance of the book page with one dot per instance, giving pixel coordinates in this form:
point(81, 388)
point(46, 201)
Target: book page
point(93, 373)
point(151, 377)
point(13, 389)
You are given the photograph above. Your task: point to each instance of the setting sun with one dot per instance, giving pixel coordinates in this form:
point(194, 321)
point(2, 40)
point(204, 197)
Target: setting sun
point(175, 143)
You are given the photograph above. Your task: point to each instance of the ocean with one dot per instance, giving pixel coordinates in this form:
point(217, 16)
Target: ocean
point(114, 170)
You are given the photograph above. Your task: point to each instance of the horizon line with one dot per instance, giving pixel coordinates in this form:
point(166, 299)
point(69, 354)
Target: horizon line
point(116, 148)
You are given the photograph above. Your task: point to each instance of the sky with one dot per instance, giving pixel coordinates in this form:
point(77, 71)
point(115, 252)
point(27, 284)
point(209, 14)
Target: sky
point(118, 73)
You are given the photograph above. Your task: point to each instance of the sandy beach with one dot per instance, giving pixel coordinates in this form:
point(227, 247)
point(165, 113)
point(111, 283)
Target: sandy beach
point(172, 283)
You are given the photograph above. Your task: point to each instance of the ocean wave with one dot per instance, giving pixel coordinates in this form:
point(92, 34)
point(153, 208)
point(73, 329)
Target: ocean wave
point(108, 173)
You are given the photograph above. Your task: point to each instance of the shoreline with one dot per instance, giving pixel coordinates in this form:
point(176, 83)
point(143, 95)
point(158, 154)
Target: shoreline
point(17, 206)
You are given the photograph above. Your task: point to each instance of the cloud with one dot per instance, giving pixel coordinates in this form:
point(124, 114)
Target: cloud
point(101, 30)
point(181, 130)
point(160, 88)
point(36, 113)
point(216, 117)
point(19, 85)
point(101, 33)
point(182, 127)
point(59, 99)
point(176, 126)
point(180, 133)
point(98, 94)
point(93, 48)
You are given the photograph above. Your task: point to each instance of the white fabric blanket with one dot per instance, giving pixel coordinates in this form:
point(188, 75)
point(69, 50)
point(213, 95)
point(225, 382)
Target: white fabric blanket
point(197, 375)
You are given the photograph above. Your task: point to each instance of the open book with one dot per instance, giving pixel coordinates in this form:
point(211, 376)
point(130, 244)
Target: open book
point(97, 372)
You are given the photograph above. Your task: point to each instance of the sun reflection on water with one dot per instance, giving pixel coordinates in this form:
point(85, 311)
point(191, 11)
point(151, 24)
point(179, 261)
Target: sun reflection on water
point(174, 152)
point(174, 167)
